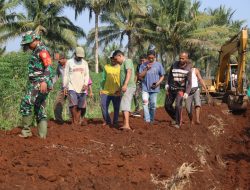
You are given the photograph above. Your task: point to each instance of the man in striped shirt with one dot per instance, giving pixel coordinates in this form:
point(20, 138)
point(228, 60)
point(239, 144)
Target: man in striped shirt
point(178, 87)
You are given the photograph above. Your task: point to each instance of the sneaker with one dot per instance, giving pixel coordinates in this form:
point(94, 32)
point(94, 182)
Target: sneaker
point(176, 126)
point(136, 114)
point(173, 122)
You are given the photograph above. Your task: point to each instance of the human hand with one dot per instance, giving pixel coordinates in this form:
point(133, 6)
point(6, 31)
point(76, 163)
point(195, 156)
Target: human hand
point(185, 96)
point(84, 87)
point(148, 66)
point(65, 92)
point(118, 93)
point(43, 87)
point(206, 91)
point(154, 85)
point(167, 92)
point(91, 95)
point(124, 88)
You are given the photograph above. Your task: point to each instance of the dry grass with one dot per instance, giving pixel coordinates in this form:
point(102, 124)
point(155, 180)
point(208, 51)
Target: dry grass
point(221, 163)
point(201, 153)
point(178, 180)
point(217, 128)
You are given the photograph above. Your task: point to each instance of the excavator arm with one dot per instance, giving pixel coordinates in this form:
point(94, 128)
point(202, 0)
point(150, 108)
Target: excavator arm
point(236, 43)
point(242, 61)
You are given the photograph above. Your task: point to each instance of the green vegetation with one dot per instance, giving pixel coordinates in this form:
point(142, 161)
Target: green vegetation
point(13, 74)
point(170, 25)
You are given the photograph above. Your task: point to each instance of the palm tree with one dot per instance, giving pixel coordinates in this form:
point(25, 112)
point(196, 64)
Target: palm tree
point(45, 19)
point(95, 6)
point(8, 20)
point(4, 7)
point(128, 21)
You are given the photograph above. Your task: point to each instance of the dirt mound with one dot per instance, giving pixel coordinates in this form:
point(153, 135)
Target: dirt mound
point(214, 155)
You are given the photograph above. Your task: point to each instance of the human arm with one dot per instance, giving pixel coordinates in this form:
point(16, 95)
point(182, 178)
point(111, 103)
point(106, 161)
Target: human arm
point(169, 80)
point(201, 81)
point(125, 84)
point(90, 91)
point(143, 70)
point(189, 84)
point(161, 74)
point(46, 81)
point(86, 76)
point(129, 68)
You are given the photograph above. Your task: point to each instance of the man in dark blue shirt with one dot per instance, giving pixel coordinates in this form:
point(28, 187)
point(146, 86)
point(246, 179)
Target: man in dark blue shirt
point(152, 74)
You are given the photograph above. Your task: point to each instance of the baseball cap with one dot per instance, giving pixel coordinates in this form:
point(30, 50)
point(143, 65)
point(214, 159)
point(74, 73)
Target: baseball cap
point(79, 52)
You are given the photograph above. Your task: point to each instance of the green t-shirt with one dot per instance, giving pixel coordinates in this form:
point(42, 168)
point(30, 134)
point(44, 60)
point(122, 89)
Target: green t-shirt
point(127, 64)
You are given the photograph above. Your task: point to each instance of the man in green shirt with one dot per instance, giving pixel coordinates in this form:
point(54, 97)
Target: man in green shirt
point(128, 86)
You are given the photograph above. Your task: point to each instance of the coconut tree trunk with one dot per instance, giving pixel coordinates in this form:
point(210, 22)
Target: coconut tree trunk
point(96, 43)
point(208, 70)
point(129, 45)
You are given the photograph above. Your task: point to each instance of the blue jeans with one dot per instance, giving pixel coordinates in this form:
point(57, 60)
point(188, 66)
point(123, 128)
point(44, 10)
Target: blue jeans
point(105, 101)
point(149, 100)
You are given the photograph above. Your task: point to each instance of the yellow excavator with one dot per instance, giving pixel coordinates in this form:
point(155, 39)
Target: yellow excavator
point(230, 80)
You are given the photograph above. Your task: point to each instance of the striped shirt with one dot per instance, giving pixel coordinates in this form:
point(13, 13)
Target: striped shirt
point(180, 78)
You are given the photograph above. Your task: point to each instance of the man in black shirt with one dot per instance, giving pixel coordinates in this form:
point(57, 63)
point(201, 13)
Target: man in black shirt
point(178, 87)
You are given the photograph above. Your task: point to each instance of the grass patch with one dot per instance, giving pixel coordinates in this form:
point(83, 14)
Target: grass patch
point(217, 128)
point(177, 181)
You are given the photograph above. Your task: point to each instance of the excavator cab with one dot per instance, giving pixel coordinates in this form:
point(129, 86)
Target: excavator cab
point(232, 86)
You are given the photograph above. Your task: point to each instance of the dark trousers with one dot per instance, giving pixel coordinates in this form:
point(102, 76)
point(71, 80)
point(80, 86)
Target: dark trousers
point(59, 104)
point(105, 101)
point(174, 112)
point(137, 97)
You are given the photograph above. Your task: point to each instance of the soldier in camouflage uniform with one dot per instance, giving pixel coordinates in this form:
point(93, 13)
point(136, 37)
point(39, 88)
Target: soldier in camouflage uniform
point(38, 86)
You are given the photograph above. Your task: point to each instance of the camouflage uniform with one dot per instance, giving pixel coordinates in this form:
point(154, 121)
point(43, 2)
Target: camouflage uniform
point(37, 73)
point(40, 72)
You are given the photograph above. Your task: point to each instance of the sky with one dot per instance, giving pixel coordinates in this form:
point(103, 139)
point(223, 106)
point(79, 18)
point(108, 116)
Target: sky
point(241, 8)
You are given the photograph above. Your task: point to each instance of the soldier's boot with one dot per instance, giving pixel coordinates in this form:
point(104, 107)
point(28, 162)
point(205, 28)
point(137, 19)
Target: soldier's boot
point(42, 129)
point(26, 123)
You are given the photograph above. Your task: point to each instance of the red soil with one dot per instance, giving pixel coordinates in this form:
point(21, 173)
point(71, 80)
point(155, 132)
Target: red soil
point(97, 157)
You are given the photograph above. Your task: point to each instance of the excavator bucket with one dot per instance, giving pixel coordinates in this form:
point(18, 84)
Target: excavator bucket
point(237, 102)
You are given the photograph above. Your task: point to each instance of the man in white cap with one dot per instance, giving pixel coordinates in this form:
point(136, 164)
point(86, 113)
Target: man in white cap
point(75, 82)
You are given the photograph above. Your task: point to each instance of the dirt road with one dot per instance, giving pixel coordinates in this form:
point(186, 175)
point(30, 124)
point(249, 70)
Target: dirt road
point(214, 155)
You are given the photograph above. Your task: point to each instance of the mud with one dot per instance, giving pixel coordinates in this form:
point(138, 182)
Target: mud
point(98, 157)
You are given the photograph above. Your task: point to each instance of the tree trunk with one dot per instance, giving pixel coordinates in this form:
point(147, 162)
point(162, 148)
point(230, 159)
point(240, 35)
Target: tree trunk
point(208, 70)
point(96, 43)
point(129, 45)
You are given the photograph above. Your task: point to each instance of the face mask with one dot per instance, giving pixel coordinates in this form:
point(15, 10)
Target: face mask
point(78, 58)
point(25, 47)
